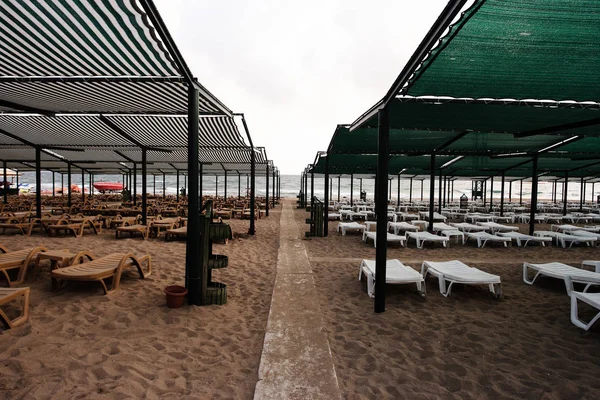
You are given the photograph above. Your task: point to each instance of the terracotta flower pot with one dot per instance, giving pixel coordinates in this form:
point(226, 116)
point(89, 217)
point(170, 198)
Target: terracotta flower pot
point(175, 296)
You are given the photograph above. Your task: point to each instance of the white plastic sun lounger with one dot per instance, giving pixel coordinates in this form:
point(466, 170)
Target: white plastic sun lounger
point(585, 234)
point(593, 299)
point(402, 226)
point(562, 271)
point(466, 227)
point(442, 226)
point(563, 238)
point(522, 239)
point(391, 238)
point(566, 228)
point(422, 237)
point(591, 263)
point(457, 272)
point(494, 227)
point(395, 273)
point(344, 226)
point(484, 237)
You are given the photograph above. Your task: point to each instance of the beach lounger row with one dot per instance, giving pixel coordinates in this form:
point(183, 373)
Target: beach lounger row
point(447, 272)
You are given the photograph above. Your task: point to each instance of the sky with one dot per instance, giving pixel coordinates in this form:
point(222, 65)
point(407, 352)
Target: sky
point(296, 69)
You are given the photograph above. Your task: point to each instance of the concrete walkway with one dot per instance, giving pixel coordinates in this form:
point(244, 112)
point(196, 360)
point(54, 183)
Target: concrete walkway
point(296, 361)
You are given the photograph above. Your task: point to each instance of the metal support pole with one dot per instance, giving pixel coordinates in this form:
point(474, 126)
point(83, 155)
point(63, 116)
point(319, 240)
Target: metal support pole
point(53, 184)
point(195, 281)
point(82, 186)
point(510, 191)
point(581, 195)
point(267, 190)
point(225, 187)
point(443, 200)
point(177, 186)
point(252, 229)
point(440, 192)
point(5, 184)
point(38, 182)
point(273, 190)
point(351, 189)
point(216, 185)
point(326, 200)
point(410, 191)
point(383, 144)
point(153, 185)
point(431, 192)
point(338, 187)
point(398, 194)
point(312, 191)
point(565, 188)
point(62, 185)
point(69, 184)
point(502, 196)
point(422, 180)
point(534, 191)
point(164, 186)
point(134, 184)
point(491, 194)
point(521, 194)
point(144, 187)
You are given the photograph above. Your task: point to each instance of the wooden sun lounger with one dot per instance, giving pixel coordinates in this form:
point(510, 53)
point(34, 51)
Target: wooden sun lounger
point(177, 232)
point(20, 260)
point(76, 228)
point(9, 294)
point(99, 269)
point(24, 227)
point(131, 229)
point(119, 221)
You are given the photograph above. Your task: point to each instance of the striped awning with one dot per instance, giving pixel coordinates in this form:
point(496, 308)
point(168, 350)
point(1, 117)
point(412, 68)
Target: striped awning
point(91, 56)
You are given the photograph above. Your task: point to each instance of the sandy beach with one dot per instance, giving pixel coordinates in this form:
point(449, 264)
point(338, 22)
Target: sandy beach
point(466, 346)
point(80, 343)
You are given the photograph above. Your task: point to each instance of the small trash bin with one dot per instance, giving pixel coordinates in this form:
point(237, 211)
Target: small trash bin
point(464, 201)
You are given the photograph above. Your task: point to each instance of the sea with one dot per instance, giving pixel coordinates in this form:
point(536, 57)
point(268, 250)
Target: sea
point(291, 184)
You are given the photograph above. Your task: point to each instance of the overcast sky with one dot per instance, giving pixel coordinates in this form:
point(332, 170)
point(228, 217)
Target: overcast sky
point(296, 69)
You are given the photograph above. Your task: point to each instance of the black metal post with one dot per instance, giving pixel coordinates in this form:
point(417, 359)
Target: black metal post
point(422, 189)
point(326, 206)
point(216, 185)
point(164, 186)
point(38, 182)
point(521, 193)
point(351, 189)
point(491, 194)
point(502, 196)
point(239, 185)
point(312, 191)
point(194, 278)
point(565, 189)
point(154, 185)
point(267, 190)
point(5, 185)
point(534, 191)
point(581, 195)
point(252, 229)
point(440, 192)
point(82, 186)
point(383, 143)
point(144, 188)
point(53, 184)
point(225, 187)
point(510, 191)
point(273, 190)
point(431, 192)
point(338, 187)
point(134, 184)
point(69, 184)
point(410, 191)
point(62, 185)
point(398, 194)
point(177, 186)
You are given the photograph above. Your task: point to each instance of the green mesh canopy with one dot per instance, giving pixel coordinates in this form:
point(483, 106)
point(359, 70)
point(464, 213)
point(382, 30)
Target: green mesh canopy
point(520, 49)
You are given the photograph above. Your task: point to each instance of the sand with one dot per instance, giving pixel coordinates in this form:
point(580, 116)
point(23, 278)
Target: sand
point(80, 343)
point(467, 346)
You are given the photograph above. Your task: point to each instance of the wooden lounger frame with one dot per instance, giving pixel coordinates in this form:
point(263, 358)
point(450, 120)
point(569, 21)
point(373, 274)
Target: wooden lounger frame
point(9, 294)
point(99, 269)
point(131, 229)
point(19, 259)
point(76, 228)
point(24, 227)
point(177, 232)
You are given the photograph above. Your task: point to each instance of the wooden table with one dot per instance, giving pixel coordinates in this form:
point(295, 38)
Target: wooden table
point(58, 259)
